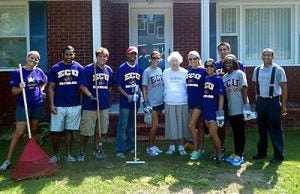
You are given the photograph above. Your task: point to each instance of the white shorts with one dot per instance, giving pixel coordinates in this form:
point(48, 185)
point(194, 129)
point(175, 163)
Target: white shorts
point(66, 118)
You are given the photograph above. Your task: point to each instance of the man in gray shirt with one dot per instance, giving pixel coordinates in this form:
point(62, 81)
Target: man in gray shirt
point(271, 87)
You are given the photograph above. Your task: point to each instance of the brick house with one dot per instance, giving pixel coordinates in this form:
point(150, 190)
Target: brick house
point(164, 25)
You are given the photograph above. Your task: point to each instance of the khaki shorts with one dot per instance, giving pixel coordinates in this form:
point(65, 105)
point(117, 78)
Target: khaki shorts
point(88, 124)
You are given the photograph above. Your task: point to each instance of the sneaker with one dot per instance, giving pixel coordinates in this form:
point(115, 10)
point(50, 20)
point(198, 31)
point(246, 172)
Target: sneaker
point(157, 149)
point(120, 155)
point(81, 157)
point(5, 165)
point(214, 157)
point(99, 154)
point(237, 161)
point(230, 158)
point(195, 155)
point(170, 151)
point(54, 159)
point(182, 152)
point(70, 159)
point(221, 158)
point(152, 151)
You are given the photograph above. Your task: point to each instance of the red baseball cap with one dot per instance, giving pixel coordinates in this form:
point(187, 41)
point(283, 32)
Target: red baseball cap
point(132, 49)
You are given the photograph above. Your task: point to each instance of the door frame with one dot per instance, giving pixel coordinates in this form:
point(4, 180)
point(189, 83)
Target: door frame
point(155, 8)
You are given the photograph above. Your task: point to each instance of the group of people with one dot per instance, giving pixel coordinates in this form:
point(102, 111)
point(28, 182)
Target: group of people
point(197, 99)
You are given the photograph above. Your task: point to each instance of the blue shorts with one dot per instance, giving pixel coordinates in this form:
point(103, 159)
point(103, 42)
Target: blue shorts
point(36, 113)
point(191, 107)
point(159, 107)
point(209, 115)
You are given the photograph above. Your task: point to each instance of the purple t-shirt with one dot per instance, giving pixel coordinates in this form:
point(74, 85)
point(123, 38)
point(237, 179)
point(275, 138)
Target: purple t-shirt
point(213, 86)
point(66, 79)
point(127, 78)
point(195, 86)
point(219, 67)
point(33, 82)
point(104, 80)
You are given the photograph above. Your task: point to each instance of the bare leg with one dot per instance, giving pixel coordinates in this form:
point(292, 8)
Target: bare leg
point(69, 140)
point(20, 130)
point(83, 142)
point(155, 125)
point(213, 128)
point(55, 142)
point(195, 114)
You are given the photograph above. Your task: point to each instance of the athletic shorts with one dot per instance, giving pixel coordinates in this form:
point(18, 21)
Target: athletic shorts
point(89, 121)
point(67, 118)
point(191, 107)
point(159, 107)
point(36, 113)
point(209, 115)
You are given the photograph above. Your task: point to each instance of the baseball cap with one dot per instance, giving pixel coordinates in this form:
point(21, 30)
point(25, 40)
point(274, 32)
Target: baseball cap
point(132, 49)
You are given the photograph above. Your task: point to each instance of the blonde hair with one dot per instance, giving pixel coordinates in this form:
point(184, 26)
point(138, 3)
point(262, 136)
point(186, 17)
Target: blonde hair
point(102, 50)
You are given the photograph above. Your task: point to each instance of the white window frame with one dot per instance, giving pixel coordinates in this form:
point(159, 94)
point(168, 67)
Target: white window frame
point(20, 5)
point(242, 6)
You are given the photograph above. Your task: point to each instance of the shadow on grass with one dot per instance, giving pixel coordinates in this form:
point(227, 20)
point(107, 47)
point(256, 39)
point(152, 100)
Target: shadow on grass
point(159, 174)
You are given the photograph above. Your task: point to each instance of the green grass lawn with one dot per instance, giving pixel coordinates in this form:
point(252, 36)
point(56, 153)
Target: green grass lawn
point(165, 174)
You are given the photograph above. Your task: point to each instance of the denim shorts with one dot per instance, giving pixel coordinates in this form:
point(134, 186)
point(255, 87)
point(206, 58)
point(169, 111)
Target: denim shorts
point(36, 113)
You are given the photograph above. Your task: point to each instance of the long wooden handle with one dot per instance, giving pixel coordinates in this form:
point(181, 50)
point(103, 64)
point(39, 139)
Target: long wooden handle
point(98, 110)
point(25, 103)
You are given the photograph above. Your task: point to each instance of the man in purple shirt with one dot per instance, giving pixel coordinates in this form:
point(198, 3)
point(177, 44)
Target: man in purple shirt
point(129, 76)
point(95, 75)
point(65, 102)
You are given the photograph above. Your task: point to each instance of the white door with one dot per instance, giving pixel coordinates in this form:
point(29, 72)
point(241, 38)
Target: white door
point(151, 29)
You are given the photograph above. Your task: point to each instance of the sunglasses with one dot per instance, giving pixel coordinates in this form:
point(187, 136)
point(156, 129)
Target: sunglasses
point(155, 58)
point(209, 66)
point(193, 59)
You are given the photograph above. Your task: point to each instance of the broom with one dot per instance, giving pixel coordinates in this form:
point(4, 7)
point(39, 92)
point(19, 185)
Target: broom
point(34, 162)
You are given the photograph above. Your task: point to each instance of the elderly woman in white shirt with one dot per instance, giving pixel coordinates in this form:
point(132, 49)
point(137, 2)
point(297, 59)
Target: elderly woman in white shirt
point(176, 103)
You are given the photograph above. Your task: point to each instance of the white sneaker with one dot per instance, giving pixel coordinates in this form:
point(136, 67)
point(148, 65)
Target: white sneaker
point(5, 165)
point(152, 151)
point(171, 150)
point(54, 159)
point(157, 149)
point(182, 152)
point(81, 157)
point(70, 159)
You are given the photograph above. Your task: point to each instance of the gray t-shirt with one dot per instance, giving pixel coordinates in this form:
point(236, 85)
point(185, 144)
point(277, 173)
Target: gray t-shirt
point(153, 79)
point(264, 79)
point(233, 83)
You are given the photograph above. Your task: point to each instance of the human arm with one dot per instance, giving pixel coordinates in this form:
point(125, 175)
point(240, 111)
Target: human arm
point(51, 93)
point(284, 96)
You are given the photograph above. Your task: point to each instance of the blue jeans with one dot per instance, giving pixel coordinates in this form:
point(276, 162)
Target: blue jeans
point(125, 131)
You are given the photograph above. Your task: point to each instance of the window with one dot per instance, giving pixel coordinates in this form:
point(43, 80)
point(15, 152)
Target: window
point(229, 28)
point(13, 36)
point(251, 28)
point(268, 27)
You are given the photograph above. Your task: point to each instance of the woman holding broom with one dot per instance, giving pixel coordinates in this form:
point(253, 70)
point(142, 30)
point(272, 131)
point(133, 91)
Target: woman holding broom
point(34, 81)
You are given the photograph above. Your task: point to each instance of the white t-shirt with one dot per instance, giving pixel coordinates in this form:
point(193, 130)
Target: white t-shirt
point(175, 86)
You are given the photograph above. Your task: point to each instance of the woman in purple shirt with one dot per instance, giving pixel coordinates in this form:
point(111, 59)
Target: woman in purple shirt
point(34, 81)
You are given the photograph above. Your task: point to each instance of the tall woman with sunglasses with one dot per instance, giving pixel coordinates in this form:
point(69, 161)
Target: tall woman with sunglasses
point(195, 87)
point(153, 93)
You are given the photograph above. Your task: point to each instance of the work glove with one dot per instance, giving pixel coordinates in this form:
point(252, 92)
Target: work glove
point(148, 118)
point(132, 98)
point(93, 100)
point(220, 118)
point(147, 107)
point(247, 111)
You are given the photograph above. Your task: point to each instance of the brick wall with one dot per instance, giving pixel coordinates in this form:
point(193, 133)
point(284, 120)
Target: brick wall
point(186, 26)
point(70, 23)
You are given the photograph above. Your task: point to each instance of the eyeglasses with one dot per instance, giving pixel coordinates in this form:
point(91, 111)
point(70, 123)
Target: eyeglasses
point(209, 66)
point(155, 58)
point(193, 59)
